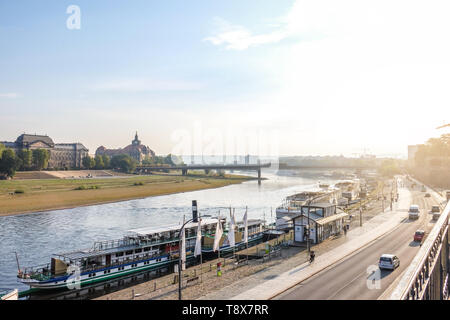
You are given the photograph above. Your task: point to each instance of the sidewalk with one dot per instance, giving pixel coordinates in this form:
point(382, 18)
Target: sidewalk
point(272, 281)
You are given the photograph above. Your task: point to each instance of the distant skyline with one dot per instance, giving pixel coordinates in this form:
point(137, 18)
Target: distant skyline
point(320, 77)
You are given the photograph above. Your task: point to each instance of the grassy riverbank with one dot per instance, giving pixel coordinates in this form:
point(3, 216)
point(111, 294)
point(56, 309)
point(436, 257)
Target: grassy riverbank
point(20, 196)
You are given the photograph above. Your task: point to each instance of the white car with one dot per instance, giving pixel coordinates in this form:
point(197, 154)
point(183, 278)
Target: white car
point(389, 261)
point(413, 212)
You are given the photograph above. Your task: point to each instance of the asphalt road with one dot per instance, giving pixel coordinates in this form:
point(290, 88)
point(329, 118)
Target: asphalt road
point(350, 278)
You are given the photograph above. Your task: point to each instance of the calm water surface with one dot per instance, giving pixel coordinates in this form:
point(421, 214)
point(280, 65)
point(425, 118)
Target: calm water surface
point(35, 237)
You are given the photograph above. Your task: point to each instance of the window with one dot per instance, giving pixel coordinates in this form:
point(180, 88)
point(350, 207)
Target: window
point(147, 249)
point(129, 252)
point(119, 254)
point(137, 250)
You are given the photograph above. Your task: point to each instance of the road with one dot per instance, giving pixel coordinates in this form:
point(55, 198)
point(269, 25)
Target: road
point(350, 278)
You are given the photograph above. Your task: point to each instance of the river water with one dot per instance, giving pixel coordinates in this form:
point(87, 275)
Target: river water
point(36, 236)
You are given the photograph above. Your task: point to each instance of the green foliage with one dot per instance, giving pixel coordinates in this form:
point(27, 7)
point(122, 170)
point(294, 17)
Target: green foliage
point(124, 163)
point(9, 162)
point(88, 162)
point(106, 161)
point(2, 147)
point(435, 152)
point(99, 162)
point(138, 183)
point(27, 159)
point(40, 158)
point(170, 160)
point(19, 191)
point(83, 187)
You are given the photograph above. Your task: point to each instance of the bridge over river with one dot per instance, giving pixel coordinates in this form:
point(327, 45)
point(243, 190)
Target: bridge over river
point(206, 167)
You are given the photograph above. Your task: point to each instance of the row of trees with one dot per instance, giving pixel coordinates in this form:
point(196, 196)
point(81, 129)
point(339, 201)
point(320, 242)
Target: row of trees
point(24, 159)
point(432, 162)
point(123, 162)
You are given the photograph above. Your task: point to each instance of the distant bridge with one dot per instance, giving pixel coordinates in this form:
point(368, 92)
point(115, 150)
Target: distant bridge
point(319, 166)
point(207, 167)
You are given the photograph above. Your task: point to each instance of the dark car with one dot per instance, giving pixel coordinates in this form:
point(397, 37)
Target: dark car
point(427, 195)
point(418, 236)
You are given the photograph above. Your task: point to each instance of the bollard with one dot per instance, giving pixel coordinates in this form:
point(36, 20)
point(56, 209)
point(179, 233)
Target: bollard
point(154, 287)
point(132, 294)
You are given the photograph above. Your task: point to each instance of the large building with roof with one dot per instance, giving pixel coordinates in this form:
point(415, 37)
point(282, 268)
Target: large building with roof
point(62, 155)
point(136, 150)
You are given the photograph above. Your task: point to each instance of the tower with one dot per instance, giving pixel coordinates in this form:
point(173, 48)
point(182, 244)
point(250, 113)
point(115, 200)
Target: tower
point(136, 141)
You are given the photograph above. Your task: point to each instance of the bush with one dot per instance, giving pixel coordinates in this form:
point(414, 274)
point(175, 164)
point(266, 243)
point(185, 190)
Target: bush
point(83, 187)
point(138, 183)
point(19, 191)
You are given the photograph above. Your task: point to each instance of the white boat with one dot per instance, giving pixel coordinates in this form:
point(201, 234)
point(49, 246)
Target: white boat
point(12, 295)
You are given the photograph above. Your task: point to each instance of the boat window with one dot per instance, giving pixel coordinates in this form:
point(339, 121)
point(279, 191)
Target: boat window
point(137, 250)
point(147, 249)
point(119, 254)
point(129, 252)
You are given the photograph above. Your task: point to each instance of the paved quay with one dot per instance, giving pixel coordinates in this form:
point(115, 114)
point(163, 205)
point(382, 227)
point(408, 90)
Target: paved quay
point(287, 274)
point(236, 279)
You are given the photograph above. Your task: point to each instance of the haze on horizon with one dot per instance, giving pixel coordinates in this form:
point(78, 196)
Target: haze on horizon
point(320, 77)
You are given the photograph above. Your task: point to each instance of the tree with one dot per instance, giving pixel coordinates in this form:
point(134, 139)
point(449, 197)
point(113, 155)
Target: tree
point(27, 159)
point(99, 162)
point(9, 162)
point(40, 158)
point(2, 147)
point(106, 161)
point(88, 162)
point(124, 163)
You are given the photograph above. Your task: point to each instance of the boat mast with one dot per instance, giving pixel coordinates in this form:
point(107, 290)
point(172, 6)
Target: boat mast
point(17, 260)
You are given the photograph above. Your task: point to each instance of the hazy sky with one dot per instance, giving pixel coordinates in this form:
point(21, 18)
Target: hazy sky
point(298, 77)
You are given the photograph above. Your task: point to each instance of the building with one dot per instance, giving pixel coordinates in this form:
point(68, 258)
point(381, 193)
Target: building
point(62, 155)
point(325, 220)
point(136, 150)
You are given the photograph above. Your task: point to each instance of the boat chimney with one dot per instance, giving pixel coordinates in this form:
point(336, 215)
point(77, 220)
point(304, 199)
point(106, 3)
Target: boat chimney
point(194, 211)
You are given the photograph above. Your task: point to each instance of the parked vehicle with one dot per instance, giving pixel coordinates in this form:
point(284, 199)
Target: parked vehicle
point(414, 212)
point(435, 208)
point(389, 261)
point(427, 195)
point(448, 195)
point(423, 189)
point(419, 235)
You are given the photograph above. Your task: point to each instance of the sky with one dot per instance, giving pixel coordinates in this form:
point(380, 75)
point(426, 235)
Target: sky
point(281, 77)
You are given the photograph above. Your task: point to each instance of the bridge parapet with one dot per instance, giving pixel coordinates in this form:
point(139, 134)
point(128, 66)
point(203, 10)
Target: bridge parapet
point(427, 276)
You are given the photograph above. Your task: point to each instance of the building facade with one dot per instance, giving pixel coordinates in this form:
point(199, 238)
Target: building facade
point(136, 150)
point(62, 155)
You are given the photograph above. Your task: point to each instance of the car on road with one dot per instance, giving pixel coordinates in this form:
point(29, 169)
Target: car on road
point(414, 211)
point(436, 212)
point(427, 195)
point(389, 261)
point(423, 189)
point(419, 235)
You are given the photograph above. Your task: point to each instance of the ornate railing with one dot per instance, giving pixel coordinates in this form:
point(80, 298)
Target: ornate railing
point(428, 272)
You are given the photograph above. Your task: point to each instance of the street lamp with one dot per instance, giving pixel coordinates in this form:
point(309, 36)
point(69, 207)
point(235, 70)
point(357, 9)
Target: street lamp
point(179, 254)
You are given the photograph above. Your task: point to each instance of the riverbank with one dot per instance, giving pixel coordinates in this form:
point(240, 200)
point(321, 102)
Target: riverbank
point(24, 196)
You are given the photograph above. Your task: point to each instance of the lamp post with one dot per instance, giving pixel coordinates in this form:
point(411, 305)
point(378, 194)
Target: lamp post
point(179, 254)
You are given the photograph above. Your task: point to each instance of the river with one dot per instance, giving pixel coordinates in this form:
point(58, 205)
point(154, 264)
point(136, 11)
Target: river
point(36, 236)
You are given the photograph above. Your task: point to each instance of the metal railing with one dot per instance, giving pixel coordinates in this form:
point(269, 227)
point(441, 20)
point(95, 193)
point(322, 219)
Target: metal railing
point(425, 278)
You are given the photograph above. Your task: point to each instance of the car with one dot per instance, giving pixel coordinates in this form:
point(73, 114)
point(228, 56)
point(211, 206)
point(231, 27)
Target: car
point(435, 208)
point(418, 236)
point(414, 211)
point(423, 189)
point(427, 195)
point(389, 262)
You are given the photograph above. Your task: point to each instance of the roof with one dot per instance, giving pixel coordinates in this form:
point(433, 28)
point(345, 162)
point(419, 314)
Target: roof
point(332, 218)
point(321, 205)
point(153, 230)
point(30, 138)
point(387, 255)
